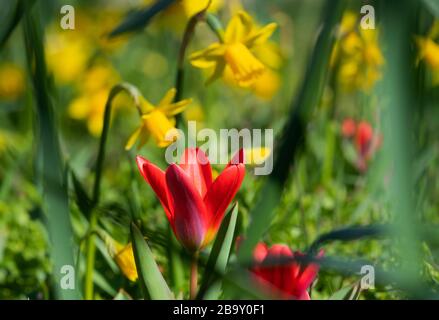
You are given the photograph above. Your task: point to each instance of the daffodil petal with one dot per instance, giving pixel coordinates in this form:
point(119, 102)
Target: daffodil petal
point(208, 57)
point(133, 138)
point(217, 73)
point(168, 98)
point(175, 108)
point(238, 28)
point(261, 36)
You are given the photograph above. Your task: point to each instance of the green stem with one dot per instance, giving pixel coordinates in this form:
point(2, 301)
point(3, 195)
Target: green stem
point(91, 254)
point(187, 37)
point(215, 25)
point(194, 277)
point(91, 248)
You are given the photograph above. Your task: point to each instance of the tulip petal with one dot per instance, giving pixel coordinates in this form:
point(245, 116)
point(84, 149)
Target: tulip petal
point(190, 216)
point(238, 158)
point(308, 274)
point(221, 193)
point(155, 177)
point(260, 252)
point(196, 164)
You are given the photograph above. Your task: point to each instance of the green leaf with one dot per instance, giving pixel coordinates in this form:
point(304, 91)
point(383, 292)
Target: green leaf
point(219, 256)
point(102, 283)
point(50, 173)
point(293, 135)
point(433, 5)
point(138, 19)
point(149, 274)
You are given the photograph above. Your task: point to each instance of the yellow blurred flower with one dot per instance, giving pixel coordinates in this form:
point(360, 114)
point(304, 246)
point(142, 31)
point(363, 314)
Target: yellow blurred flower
point(240, 37)
point(256, 156)
point(93, 88)
point(429, 51)
point(67, 54)
point(357, 56)
point(12, 81)
point(158, 121)
point(177, 15)
point(124, 257)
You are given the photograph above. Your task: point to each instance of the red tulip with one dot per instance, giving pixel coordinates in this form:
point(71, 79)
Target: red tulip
point(194, 204)
point(288, 281)
point(348, 128)
point(365, 139)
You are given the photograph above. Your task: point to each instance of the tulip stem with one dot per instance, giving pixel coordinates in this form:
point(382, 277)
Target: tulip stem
point(194, 277)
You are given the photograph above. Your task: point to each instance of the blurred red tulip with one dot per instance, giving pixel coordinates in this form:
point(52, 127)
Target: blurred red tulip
point(289, 281)
point(348, 128)
point(365, 139)
point(194, 204)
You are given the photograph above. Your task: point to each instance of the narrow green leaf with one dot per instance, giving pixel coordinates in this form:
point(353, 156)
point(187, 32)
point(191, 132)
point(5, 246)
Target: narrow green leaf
point(219, 256)
point(293, 135)
point(138, 19)
point(122, 295)
point(50, 167)
point(149, 273)
point(102, 283)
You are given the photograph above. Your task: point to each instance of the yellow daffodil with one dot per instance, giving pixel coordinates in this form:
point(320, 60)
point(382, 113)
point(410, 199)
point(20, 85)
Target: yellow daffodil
point(11, 81)
point(158, 121)
point(357, 56)
point(123, 256)
point(240, 38)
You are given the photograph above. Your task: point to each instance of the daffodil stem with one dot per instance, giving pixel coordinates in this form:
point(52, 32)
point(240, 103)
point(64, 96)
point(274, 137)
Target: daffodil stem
point(187, 37)
point(194, 277)
point(215, 25)
point(91, 248)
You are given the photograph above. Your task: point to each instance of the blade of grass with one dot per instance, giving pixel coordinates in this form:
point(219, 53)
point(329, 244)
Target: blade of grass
point(219, 256)
point(150, 276)
point(293, 136)
point(51, 178)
